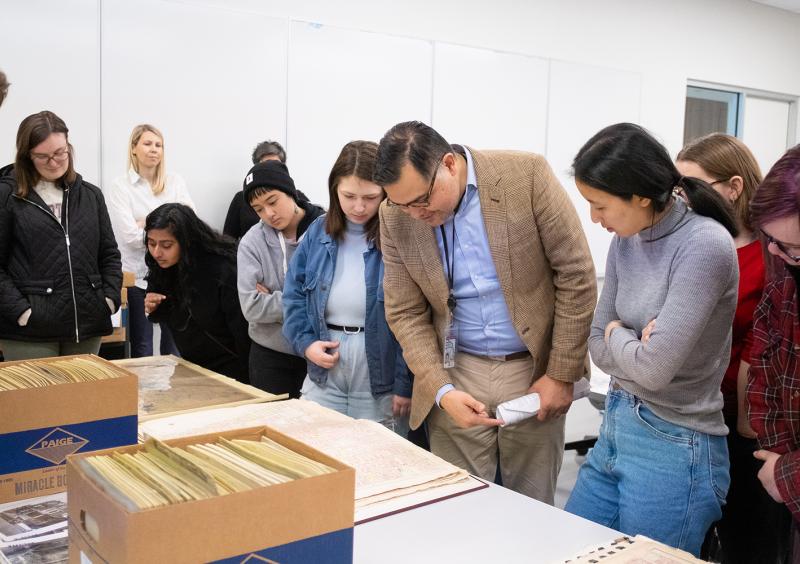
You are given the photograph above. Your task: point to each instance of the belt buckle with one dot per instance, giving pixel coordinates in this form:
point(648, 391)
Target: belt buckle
point(348, 330)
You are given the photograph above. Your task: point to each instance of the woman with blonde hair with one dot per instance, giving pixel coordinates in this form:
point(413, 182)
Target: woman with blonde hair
point(132, 196)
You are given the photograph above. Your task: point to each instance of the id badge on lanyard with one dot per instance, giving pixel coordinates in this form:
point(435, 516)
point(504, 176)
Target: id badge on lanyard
point(450, 334)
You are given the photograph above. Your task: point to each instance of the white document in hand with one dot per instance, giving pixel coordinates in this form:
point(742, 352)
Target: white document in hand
point(525, 407)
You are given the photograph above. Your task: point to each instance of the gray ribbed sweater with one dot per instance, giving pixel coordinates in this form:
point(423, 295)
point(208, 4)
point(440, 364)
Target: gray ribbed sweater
point(682, 272)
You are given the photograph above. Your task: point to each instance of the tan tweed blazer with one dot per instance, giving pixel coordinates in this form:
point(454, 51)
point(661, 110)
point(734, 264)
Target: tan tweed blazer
point(542, 260)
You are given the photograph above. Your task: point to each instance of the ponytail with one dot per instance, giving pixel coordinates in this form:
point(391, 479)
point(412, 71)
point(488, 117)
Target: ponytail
point(706, 201)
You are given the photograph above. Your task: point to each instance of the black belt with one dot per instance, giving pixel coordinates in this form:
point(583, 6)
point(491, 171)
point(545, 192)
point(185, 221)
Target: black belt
point(505, 357)
point(345, 329)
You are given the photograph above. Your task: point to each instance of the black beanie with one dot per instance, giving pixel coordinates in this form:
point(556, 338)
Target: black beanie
point(272, 175)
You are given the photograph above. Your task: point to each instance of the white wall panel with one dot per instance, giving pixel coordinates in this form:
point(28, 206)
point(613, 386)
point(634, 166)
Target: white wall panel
point(50, 52)
point(490, 100)
point(212, 79)
point(346, 85)
point(583, 100)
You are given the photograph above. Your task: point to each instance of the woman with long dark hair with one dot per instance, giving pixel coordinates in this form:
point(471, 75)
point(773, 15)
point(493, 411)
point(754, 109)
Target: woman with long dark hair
point(773, 391)
point(662, 330)
point(191, 287)
point(333, 302)
point(60, 270)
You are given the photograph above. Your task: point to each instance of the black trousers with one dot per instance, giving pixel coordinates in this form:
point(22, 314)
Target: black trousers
point(754, 528)
point(276, 372)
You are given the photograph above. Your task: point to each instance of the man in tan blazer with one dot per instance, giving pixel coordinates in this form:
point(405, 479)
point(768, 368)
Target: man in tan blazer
point(485, 256)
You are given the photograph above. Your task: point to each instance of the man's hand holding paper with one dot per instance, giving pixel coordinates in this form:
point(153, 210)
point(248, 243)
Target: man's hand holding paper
point(531, 405)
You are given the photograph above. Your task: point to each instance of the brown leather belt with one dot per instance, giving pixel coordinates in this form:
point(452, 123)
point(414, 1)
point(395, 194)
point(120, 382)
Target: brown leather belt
point(505, 358)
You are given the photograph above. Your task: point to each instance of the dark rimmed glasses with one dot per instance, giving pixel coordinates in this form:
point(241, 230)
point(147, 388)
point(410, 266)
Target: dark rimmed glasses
point(424, 200)
point(59, 157)
point(781, 246)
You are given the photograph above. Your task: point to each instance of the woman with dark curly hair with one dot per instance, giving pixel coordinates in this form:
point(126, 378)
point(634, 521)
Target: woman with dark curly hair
point(191, 287)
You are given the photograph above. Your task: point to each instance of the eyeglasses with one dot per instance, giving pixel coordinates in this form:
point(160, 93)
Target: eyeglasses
point(58, 157)
point(422, 201)
point(717, 182)
point(782, 247)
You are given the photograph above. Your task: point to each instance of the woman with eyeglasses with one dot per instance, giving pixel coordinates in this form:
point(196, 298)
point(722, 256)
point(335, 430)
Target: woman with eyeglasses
point(60, 270)
point(132, 196)
point(662, 330)
point(191, 288)
point(773, 391)
point(333, 302)
point(726, 164)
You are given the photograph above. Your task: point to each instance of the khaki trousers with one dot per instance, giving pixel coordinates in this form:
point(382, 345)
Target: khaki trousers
point(529, 452)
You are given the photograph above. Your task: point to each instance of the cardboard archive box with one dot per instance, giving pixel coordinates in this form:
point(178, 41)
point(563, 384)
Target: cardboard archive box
point(39, 427)
point(301, 521)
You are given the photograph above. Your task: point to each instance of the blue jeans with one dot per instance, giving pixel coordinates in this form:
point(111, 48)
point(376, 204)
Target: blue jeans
point(651, 477)
point(348, 390)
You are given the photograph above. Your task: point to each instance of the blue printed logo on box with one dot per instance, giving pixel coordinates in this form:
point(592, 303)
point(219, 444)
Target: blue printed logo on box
point(56, 445)
point(42, 448)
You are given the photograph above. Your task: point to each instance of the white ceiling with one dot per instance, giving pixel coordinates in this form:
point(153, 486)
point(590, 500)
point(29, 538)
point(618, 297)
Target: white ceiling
point(790, 5)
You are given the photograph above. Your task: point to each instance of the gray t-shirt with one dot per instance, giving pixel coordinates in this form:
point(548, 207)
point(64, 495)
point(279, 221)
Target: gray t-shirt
point(682, 272)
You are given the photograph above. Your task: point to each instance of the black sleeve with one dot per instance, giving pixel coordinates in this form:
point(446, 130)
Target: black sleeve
point(12, 302)
point(232, 226)
point(231, 309)
point(163, 313)
point(108, 257)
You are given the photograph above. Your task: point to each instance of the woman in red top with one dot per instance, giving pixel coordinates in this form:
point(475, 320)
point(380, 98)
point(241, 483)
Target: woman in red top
point(773, 391)
point(728, 165)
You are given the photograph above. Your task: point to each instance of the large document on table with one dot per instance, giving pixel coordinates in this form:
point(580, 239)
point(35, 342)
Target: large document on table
point(391, 473)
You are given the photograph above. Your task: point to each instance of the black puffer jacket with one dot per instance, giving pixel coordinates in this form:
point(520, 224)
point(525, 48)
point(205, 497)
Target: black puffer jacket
point(62, 271)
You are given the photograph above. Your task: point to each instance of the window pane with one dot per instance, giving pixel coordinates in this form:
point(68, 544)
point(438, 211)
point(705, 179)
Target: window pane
point(710, 111)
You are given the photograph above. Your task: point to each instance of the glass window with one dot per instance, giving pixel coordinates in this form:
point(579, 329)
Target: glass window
point(710, 111)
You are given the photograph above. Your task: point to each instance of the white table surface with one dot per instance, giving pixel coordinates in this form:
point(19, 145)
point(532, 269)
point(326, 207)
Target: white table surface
point(490, 525)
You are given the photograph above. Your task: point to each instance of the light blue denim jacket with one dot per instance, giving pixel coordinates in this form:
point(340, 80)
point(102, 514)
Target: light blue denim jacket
point(305, 295)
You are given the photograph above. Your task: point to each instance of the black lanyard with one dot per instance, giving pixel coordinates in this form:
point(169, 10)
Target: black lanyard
point(451, 265)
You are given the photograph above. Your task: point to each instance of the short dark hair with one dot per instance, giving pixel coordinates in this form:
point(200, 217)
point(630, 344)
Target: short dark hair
point(410, 141)
point(624, 160)
point(33, 130)
point(356, 159)
point(4, 84)
point(266, 148)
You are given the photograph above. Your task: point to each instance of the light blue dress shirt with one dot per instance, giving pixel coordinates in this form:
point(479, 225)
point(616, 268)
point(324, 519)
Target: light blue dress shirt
point(482, 320)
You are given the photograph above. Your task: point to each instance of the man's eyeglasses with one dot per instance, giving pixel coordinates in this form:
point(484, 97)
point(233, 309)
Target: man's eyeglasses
point(58, 157)
point(781, 246)
point(425, 200)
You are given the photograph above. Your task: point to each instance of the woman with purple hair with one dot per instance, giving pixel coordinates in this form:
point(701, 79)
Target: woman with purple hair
point(773, 390)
